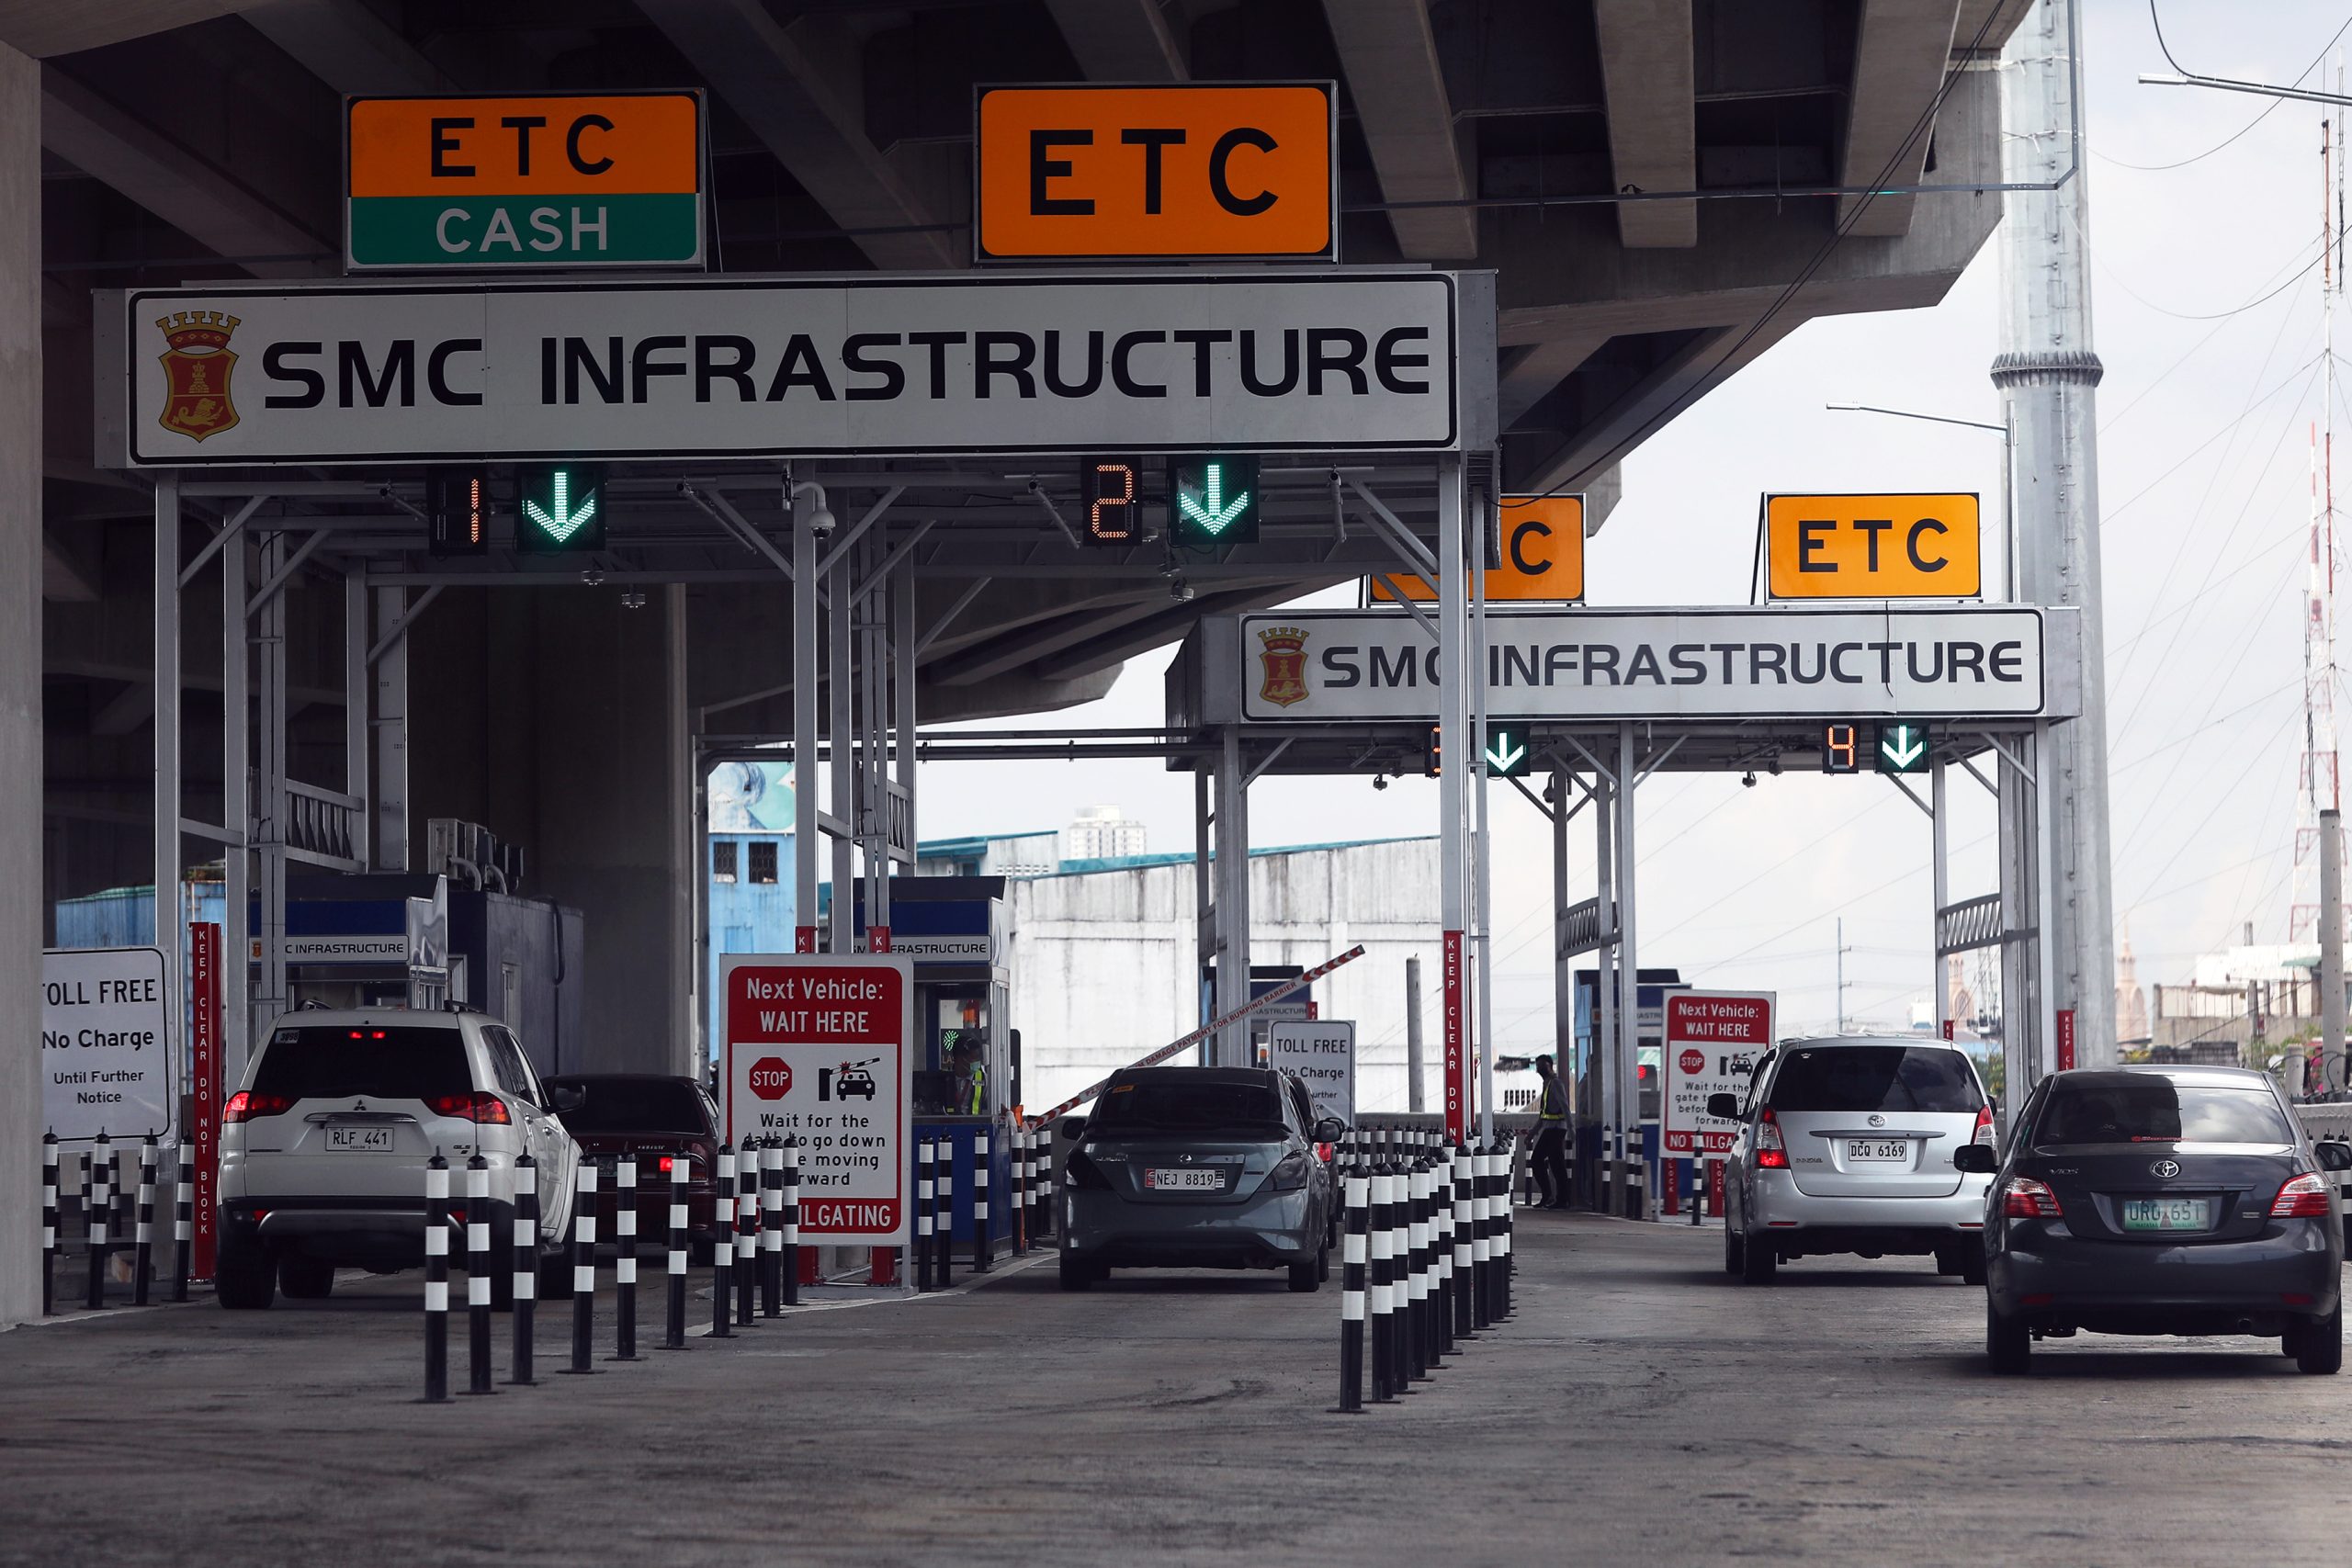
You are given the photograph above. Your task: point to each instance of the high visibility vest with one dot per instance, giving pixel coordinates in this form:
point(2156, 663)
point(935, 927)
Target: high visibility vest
point(1554, 1107)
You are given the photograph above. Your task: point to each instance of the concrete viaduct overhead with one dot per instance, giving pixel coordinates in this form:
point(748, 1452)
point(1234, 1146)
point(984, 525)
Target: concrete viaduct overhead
point(1664, 189)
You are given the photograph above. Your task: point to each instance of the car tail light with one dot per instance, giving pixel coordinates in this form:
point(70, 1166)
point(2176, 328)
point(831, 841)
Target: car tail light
point(1325, 1151)
point(1289, 1173)
point(1771, 1154)
point(1081, 1174)
point(244, 1105)
point(2307, 1197)
point(1983, 1133)
point(2026, 1199)
point(479, 1106)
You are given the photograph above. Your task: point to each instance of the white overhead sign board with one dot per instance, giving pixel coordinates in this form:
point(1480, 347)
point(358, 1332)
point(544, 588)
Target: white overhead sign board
point(105, 1057)
point(777, 366)
point(1977, 661)
point(1323, 1055)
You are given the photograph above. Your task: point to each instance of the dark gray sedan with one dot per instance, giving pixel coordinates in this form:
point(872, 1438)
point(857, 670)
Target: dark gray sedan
point(1198, 1167)
point(2162, 1199)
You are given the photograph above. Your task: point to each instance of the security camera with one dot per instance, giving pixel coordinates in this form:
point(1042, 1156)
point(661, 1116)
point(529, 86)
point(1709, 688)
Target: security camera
point(1181, 591)
point(1380, 781)
point(592, 577)
point(819, 517)
point(1748, 779)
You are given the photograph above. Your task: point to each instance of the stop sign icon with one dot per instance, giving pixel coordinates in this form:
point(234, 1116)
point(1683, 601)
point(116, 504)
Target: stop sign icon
point(771, 1078)
point(1693, 1063)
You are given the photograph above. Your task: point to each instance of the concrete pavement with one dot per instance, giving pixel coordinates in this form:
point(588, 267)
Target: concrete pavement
point(1641, 1408)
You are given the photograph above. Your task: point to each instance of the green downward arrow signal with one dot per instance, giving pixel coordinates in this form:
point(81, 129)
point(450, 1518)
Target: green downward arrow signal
point(562, 522)
point(1903, 745)
point(1504, 753)
point(1218, 514)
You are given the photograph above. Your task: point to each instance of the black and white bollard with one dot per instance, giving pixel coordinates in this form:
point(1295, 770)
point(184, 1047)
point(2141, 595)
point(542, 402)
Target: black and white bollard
point(49, 1225)
point(99, 1193)
point(789, 1222)
point(771, 1229)
point(722, 1246)
point(1480, 1299)
point(583, 1271)
point(1017, 1208)
point(747, 1234)
point(943, 1216)
point(1384, 1343)
point(625, 1258)
point(1498, 1185)
point(1504, 1220)
point(1458, 1160)
point(143, 1258)
point(1400, 1252)
point(1044, 1226)
point(926, 1194)
point(983, 1243)
point(184, 1222)
point(478, 1276)
point(1417, 1247)
point(680, 1172)
point(525, 1241)
point(436, 1279)
point(1353, 1255)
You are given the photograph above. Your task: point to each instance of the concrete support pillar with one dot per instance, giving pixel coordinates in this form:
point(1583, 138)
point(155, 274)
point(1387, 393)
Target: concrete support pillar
point(1203, 902)
point(806, 836)
point(2049, 376)
point(269, 806)
point(1628, 1011)
point(1415, 1067)
point(1604, 1026)
point(20, 712)
point(685, 881)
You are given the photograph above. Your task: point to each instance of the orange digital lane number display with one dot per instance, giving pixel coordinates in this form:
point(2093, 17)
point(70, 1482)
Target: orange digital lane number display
point(1110, 490)
point(1841, 753)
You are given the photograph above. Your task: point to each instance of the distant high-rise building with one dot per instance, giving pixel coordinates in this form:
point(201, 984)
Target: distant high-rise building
point(1102, 832)
point(2130, 1002)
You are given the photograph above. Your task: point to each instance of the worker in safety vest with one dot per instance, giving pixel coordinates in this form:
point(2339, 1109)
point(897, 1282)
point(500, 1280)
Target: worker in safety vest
point(1551, 1157)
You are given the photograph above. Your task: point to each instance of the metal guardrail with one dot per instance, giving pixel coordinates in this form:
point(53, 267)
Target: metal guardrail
point(1970, 924)
point(321, 827)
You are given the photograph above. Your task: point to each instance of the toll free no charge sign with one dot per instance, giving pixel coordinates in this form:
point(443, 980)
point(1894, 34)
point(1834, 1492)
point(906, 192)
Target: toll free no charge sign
point(817, 1048)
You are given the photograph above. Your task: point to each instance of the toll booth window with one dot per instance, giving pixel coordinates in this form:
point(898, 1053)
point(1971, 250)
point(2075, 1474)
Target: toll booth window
point(722, 861)
point(764, 860)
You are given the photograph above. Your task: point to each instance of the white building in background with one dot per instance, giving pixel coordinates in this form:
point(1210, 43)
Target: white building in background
point(1104, 966)
point(1104, 832)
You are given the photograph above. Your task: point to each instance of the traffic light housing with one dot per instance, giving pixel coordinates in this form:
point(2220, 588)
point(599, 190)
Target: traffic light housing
point(457, 510)
point(1508, 751)
point(1212, 502)
point(1903, 748)
point(560, 508)
point(1109, 491)
point(1434, 762)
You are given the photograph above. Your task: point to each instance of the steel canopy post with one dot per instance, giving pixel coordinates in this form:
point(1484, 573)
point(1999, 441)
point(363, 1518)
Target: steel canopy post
point(2045, 913)
point(167, 675)
point(1230, 1047)
point(841, 725)
point(1481, 858)
point(1629, 1010)
point(1563, 977)
point(1454, 720)
point(1940, 880)
point(804, 839)
point(1604, 1028)
point(236, 968)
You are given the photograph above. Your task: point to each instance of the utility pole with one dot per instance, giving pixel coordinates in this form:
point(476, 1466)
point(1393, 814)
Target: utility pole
point(2048, 377)
point(1841, 973)
point(1413, 1089)
point(2331, 940)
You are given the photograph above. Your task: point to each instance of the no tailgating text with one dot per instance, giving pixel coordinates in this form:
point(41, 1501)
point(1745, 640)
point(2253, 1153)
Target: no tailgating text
point(1690, 664)
point(870, 367)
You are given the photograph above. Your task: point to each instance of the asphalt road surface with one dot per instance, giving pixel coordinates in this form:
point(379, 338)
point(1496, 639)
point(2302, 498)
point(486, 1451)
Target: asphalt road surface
point(1639, 1408)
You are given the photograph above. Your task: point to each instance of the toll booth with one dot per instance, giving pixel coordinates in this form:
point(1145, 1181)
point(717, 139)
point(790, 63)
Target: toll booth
point(1650, 990)
point(966, 1073)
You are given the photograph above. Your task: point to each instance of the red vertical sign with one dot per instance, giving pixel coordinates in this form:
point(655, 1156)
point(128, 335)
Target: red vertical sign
point(2065, 1039)
point(1455, 1075)
point(204, 1089)
point(877, 939)
point(804, 938)
point(1947, 1029)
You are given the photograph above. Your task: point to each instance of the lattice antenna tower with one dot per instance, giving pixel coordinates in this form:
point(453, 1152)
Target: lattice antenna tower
point(2318, 778)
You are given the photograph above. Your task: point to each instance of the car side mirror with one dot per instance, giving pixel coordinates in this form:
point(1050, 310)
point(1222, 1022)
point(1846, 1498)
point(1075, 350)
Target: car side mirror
point(1330, 1130)
point(1072, 1127)
point(2334, 1155)
point(1975, 1160)
point(567, 1098)
point(1723, 1106)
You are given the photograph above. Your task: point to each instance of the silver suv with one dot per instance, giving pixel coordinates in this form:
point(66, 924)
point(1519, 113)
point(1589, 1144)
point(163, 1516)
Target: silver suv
point(1846, 1146)
point(323, 1147)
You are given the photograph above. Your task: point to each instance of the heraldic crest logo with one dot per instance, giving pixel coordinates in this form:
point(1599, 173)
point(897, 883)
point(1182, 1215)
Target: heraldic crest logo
point(197, 364)
point(1286, 664)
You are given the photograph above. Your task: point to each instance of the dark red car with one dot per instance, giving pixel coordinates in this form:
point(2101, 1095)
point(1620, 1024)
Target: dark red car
point(662, 1121)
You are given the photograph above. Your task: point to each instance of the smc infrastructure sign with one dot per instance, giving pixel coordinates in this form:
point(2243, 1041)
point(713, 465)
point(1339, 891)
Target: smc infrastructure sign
point(106, 1054)
point(774, 368)
point(1713, 1041)
point(817, 1048)
point(1735, 663)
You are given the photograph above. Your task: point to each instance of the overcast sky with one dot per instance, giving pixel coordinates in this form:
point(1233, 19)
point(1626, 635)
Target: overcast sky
point(2212, 387)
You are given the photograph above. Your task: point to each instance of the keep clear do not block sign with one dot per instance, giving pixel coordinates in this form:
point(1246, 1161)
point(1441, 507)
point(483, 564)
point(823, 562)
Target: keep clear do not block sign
point(817, 1048)
point(1713, 1041)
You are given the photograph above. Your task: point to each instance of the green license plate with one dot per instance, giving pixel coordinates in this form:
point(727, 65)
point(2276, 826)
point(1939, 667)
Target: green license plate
point(2168, 1214)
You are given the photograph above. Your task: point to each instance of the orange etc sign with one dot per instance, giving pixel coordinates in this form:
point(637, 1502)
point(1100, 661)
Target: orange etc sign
point(1542, 554)
point(1197, 170)
point(1873, 547)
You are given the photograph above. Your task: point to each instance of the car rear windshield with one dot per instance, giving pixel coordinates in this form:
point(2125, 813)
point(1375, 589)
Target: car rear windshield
point(1875, 1078)
point(2158, 1110)
point(634, 1105)
point(1174, 1105)
point(338, 1062)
